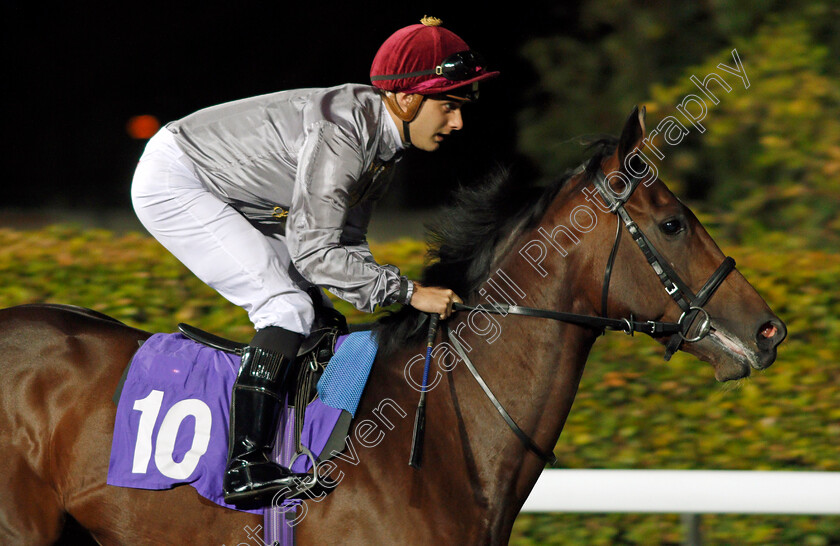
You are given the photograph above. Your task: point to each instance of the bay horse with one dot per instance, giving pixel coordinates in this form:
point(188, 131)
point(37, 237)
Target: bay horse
point(505, 245)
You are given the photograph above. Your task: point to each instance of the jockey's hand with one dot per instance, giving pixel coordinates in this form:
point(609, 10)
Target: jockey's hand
point(432, 299)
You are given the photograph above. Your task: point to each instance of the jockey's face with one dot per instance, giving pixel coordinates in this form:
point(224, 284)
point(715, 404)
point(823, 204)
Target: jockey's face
point(437, 118)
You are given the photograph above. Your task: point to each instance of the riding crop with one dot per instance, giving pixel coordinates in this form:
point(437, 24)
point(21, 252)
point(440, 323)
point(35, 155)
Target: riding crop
point(420, 416)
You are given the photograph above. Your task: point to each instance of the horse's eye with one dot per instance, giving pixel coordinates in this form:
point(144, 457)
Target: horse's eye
point(671, 227)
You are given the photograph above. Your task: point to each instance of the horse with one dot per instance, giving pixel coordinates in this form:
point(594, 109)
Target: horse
point(508, 249)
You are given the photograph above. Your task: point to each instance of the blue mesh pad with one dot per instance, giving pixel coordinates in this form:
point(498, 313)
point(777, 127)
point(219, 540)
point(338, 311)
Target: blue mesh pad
point(344, 380)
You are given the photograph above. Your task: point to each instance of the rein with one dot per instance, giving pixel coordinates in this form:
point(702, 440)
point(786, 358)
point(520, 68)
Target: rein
point(628, 326)
point(690, 303)
point(546, 456)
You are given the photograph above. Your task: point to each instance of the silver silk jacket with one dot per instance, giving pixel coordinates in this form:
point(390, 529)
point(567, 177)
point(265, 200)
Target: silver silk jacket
point(310, 164)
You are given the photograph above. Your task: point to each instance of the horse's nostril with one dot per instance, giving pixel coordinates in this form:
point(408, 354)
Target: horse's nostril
point(770, 334)
point(768, 331)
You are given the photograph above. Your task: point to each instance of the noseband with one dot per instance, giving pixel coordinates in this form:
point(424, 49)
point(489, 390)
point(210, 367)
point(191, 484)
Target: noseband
point(690, 303)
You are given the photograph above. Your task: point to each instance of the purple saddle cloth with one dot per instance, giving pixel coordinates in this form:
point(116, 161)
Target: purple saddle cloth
point(172, 419)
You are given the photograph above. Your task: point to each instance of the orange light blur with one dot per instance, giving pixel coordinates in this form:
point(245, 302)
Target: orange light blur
point(142, 127)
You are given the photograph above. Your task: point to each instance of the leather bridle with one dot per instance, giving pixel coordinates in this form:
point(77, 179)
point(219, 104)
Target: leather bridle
point(690, 303)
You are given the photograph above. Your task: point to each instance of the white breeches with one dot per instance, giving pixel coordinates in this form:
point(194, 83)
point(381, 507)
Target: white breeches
point(215, 242)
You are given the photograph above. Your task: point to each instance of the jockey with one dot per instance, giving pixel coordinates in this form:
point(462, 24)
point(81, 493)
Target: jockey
point(265, 197)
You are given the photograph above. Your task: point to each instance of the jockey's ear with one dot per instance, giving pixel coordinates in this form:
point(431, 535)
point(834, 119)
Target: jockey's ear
point(403, 105)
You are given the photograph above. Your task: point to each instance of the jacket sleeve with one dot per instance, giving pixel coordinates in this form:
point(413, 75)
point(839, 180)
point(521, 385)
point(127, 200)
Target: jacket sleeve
point(330, 167)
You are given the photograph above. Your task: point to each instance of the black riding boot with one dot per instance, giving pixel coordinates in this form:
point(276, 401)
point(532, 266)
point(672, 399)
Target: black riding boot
point(264, 379)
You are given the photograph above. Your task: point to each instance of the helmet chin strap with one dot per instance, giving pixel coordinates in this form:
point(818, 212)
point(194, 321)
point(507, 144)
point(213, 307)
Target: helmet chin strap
point(406, 114)
point(407, 132)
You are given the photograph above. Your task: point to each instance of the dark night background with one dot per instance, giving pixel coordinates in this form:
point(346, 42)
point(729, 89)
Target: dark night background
point(75, 74)
point(78, 74)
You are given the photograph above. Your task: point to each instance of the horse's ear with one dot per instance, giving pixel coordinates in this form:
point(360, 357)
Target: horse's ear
point(632, 134)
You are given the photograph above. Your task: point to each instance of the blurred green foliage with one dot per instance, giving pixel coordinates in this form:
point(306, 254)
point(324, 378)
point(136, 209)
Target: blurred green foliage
point(633, 410)
point(769, 158)
point(134, 279)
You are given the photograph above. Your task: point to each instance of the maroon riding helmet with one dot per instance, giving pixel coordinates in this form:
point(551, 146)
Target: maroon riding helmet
point(425, 60)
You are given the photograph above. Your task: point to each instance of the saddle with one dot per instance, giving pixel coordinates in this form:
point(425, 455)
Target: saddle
point(315, 351)
point(313, 356)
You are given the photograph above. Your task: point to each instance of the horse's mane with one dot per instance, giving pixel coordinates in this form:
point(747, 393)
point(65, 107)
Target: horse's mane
point(464, 238)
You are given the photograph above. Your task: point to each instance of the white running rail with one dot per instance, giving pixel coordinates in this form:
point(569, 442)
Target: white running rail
point(686, 492)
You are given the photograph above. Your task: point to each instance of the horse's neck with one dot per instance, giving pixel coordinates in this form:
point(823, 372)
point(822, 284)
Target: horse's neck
point(534, 367)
